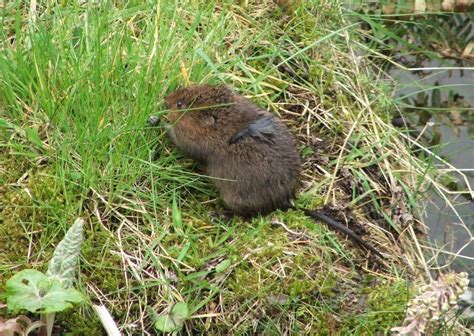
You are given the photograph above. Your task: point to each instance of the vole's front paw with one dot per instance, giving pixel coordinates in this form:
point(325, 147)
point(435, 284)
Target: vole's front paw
point(153, 120)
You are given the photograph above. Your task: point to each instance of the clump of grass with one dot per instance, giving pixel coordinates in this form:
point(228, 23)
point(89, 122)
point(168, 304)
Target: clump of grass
point(82, 79)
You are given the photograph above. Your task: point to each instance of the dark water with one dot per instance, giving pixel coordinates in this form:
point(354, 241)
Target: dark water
point(446, 115)
point(436, 98)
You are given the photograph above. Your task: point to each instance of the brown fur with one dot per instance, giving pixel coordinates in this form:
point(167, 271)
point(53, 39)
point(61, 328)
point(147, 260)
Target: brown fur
point(254, 174)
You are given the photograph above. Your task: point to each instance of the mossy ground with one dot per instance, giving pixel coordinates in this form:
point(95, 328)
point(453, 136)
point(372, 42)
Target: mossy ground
point(78, 84)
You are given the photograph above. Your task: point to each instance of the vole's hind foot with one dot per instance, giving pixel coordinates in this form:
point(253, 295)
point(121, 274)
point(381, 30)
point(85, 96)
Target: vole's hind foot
point(222, 215)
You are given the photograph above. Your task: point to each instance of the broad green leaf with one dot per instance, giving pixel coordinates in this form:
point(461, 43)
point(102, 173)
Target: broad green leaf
point(166, 324)
point(180, 312)
point(33, 291)
point(174, 320)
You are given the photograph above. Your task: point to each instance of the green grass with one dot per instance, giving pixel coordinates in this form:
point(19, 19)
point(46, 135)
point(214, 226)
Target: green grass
point(78, 84)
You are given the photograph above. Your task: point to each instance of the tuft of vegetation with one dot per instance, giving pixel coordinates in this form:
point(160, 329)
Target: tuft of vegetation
point(49, 293)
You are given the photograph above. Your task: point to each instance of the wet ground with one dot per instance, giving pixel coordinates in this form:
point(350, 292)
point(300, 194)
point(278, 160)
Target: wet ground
point(445, 117)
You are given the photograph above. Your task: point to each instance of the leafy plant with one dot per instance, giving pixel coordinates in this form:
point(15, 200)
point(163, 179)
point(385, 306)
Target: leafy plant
point(173, 320)
point(31, 290)
point(52, 292)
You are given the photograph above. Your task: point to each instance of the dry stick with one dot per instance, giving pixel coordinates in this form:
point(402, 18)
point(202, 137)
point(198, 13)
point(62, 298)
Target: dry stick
point(107, 321)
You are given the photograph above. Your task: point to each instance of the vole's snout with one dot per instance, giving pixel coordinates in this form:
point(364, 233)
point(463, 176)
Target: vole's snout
point(153, 120)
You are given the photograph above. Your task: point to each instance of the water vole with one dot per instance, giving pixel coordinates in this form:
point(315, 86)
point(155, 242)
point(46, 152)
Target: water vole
point(248, 152)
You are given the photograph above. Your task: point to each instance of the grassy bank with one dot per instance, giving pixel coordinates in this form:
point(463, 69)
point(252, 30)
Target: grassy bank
point(78, 83)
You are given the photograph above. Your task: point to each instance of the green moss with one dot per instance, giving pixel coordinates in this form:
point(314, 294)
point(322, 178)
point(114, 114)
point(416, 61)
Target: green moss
point(31, 210)
point(34, 200)
point(386, 304)
point(17, 214)
point(280, 263)
point(306, 280)
point(75, 322)
point(283, 264)
point(17, 209)
point(13, 167)
point(102, 267)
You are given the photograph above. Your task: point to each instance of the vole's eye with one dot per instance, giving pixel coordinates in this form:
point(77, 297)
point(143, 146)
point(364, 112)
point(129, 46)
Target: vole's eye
point(179, 104)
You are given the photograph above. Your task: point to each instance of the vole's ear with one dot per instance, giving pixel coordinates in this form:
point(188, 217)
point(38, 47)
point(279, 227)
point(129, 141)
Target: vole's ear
point(225, 89)
point(209, 118)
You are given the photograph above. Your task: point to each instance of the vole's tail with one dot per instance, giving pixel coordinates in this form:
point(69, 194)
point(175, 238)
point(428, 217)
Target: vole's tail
point(342, 228)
